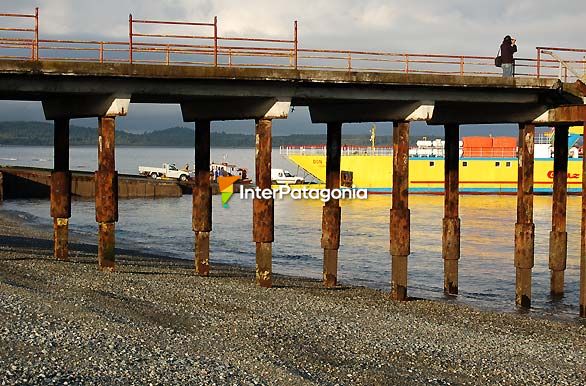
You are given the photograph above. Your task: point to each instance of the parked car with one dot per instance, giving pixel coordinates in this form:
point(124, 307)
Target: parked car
point(167, 171)
point(284, 177)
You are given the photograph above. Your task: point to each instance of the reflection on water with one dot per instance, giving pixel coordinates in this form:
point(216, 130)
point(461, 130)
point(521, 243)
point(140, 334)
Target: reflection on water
point(487, 273)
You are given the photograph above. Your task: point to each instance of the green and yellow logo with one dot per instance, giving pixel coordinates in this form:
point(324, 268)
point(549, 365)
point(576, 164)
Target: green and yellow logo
point(227, 188)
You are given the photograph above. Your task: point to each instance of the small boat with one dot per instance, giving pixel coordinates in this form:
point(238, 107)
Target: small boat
point(226, 169)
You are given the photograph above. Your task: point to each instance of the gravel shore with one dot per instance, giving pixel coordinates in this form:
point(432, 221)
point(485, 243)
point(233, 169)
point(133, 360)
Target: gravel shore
point(155, 322)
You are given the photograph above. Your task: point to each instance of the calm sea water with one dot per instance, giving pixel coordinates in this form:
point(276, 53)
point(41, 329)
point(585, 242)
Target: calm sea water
point(487, 273)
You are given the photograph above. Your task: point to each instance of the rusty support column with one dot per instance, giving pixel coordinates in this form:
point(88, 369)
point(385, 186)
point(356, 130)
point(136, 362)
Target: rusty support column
point(558, 237)
point(400, 216)
point(61, 190)
point(451, 222)
point(106, 194)
point(583, 243)
point(202, 198)
point(263, 209)
point(524, 228)
point(330, 238)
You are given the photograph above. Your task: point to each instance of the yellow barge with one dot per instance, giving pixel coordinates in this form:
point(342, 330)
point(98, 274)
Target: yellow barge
point(372, 167)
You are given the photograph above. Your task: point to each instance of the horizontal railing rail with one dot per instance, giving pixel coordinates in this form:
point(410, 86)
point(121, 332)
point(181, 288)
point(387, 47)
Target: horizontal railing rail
point(191, 43)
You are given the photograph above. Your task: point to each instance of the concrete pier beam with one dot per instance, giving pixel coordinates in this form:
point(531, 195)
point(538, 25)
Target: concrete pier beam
point(331, 219)
point(202, 198)
point(558, 237)
point(106, 194)
point(61, 190)
point(451, 221)
point(400, 215)
point(524, 228)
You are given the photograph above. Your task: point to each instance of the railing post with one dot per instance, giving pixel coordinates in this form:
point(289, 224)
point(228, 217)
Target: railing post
point(36, 44)
point(130, 38)
point(461, 65)
point(349, 61)
point(538, 62)
point(296, 40)
point(215, 41)
point(101, 52)
point(406, 64)
point(229, 57)
point(168, 56)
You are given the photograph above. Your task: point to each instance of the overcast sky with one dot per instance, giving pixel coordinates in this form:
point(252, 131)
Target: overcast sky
point(433, 26)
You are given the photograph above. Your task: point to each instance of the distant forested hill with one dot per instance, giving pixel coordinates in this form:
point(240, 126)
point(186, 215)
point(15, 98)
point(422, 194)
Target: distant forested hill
point(41, 134)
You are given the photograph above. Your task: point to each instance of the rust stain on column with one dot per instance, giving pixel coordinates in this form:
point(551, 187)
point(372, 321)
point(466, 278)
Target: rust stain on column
point(524, 228)
point(330, 239)
point(400, 216)
point(61, 190)
point(106, 194)
point(558, 237)
point(263, 209)
point(583, 243)
point(451, 221)
point(202, 198)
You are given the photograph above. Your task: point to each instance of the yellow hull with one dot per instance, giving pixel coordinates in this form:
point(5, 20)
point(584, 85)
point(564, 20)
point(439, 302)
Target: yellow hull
point(426, 175)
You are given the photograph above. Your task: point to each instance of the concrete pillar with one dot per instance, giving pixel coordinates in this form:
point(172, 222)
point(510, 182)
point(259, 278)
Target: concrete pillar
point(106, 193)
point(330, 239)
point(451, 221)
point(524, 228)
point(202, 198)
point(558, 237)
point(583, 243)
point(263, 208)
point(61, 189)
point(400, 215)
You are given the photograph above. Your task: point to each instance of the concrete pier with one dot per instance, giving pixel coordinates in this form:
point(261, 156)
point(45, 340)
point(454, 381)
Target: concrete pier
point(400, 214)
point(61, 190)
point(524, 228)
point(332, 213)
point(106, 194)
point(582, 300)
point(263, 227)
point(202, 198)
point(558, 237)
point(75, 89)
point(451, 221)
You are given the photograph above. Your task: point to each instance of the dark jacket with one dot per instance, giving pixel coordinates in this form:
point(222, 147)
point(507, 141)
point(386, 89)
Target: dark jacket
point(507, 51)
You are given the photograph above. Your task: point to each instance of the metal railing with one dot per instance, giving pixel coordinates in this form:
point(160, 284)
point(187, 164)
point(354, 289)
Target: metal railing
point(490, 152)
point(571, 66)
point(199, 44)
point(345, 150)
point(19, 37)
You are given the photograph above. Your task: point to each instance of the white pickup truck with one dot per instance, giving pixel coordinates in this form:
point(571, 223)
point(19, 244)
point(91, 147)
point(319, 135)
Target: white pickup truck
point(284, 177)
point(167, 171)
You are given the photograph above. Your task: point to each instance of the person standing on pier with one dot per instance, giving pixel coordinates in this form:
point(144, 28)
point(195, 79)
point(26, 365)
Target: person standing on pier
point(508, 48)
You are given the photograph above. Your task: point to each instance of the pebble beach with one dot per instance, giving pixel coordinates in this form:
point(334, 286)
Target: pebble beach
point(154, 322)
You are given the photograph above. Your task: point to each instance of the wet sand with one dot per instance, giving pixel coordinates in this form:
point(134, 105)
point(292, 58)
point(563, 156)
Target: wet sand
point(155, 322)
